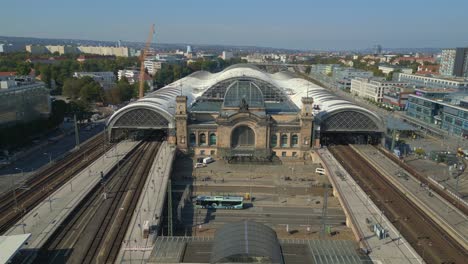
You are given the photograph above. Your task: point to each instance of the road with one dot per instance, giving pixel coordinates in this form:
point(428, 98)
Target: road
point(274, 216)
point(37, 158)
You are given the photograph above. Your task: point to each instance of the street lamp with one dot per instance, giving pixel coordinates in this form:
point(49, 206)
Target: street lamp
point(50, 157)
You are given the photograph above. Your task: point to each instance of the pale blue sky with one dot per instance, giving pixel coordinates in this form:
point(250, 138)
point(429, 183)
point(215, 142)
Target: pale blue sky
point(303, 24)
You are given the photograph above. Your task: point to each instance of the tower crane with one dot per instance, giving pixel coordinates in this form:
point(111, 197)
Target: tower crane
point(141, 92)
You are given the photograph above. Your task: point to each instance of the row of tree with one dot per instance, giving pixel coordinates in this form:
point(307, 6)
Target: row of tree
point(23, 133)
point(172, 72)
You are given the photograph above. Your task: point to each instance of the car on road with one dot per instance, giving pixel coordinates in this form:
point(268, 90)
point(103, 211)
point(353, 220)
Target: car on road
point(199, 165)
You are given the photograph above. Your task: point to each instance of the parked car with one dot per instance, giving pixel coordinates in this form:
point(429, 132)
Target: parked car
point(199, 165)
point(208, 160)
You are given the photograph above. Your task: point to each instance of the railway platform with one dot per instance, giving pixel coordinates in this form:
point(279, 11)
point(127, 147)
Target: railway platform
point(361, 212)
point(136, 248)
point(41, 221)
point(452, 220)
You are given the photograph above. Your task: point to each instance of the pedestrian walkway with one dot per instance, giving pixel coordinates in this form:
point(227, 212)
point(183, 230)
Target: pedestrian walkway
point(136, 248)
point(393, 249)
point(42, 221)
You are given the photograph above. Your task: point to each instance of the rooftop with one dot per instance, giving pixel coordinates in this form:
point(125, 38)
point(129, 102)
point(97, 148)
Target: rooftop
point(199, 250)
point(9, 245)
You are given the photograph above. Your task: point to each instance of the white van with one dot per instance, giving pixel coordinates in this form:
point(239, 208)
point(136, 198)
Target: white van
point(320, 171)
point(208, 160)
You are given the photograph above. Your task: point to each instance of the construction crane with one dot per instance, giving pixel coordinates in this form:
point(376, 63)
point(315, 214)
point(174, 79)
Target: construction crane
point(142, 62)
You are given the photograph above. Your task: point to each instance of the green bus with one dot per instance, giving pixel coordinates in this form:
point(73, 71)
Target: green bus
point(219, 202)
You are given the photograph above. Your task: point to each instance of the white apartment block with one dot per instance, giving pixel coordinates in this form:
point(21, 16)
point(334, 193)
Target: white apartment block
point(69, 49)
point(227, 55)
point(386, 69)
point(153, 66)
point(105, 79)
point(372, 88)
point(131, 75)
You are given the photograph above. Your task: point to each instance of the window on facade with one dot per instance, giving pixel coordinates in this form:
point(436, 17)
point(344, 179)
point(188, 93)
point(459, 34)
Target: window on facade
point(284, 140)
point(212, 139)
point(283, 154)
point(202, 152)
point(294, 140)
point(193, 139)
point(212, 153)
point(274, 141)
point(294, 154)
point(202, 139)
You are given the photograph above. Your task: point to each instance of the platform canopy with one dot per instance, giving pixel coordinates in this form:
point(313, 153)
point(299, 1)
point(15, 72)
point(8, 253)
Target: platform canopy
point(9, 245)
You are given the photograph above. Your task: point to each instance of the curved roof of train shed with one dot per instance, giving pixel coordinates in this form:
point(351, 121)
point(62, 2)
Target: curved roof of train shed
point(244, 241)
point(162, 102)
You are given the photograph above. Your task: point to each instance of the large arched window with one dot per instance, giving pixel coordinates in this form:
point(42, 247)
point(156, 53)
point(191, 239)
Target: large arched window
point(274, 141)
point(212, 139)
point(294, 140)
point(202, 139)
point(193, 139)
point(243, 90)
point(243, 136)
point(284, 140)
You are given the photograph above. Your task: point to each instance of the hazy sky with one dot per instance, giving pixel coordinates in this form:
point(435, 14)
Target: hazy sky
point(303, 24)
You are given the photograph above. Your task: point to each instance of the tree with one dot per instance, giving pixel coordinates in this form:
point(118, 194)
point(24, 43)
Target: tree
point(125, 90)
point(420, 152)
point(84, 88)
point(23, 68)
point(72, 88)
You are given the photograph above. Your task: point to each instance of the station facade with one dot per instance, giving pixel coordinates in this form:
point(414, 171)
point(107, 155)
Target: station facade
point(246, 112)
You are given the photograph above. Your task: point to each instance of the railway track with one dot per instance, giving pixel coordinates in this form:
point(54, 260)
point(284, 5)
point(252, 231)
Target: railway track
point(94, 231)
point(426, 237)
point(424, 179)
point(16, 203)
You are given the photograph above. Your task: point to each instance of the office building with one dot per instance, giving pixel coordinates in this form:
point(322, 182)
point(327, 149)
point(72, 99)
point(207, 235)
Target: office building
point(340, 73)
point(22, 99)
point(105, 79)
point(441, 111)
point(454, 62)
point(432, 81)
point(372, 88)
point(396, 97)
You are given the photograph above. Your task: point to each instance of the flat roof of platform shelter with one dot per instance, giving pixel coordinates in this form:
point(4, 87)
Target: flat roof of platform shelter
point(10, 245)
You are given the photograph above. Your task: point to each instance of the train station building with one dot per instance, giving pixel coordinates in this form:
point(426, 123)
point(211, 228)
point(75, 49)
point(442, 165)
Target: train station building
point(243, 111)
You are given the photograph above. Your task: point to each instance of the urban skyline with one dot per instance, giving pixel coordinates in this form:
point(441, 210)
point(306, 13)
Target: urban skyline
point(300, 25)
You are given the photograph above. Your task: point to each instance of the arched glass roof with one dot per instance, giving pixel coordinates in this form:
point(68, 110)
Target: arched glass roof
point(282, 91)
